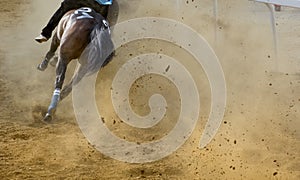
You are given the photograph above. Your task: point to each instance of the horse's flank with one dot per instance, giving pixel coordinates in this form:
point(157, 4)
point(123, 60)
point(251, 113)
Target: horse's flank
point(74, 34)
point(62, 25)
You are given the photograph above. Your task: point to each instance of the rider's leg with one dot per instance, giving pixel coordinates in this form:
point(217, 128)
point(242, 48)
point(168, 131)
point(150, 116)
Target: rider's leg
point(47, 31)
point(65, 6)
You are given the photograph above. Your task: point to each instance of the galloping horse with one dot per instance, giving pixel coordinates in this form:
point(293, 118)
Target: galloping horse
point(81, 34)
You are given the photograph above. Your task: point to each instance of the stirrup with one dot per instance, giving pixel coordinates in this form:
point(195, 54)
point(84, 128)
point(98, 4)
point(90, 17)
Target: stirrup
point(41, 38)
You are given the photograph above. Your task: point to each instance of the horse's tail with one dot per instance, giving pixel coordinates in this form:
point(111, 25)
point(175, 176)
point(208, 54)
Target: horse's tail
point(99, 51)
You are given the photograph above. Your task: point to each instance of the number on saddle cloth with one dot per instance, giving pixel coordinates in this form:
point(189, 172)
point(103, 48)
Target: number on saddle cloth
point(83, 13)
point(104, 2)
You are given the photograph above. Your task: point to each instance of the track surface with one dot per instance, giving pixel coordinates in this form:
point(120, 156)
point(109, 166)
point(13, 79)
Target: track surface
point(259, 137)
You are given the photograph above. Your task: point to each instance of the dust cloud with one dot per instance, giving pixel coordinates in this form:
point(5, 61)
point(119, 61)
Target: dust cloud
point(259, 136)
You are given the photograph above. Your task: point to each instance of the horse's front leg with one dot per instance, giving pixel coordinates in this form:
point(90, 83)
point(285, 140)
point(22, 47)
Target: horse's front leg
point(60, 76)
point(54, 45)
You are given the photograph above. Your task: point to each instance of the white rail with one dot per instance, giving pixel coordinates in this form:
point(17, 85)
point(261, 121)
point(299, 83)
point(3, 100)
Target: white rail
point(289, 3)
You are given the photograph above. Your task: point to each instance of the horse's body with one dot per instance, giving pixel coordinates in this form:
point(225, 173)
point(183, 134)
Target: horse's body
point(81, 34)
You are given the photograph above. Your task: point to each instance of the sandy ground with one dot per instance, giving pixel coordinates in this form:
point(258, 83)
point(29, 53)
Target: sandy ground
point(258, 139)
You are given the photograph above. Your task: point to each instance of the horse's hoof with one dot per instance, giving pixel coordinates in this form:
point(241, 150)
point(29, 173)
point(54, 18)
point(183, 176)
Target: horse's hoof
point(42, 67)
point(47, 118)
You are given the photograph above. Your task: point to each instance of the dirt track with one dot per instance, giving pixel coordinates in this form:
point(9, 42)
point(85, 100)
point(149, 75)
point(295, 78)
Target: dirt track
point(259, 137)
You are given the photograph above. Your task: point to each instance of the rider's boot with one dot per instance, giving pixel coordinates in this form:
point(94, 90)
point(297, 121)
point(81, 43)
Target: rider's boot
point(41, 38)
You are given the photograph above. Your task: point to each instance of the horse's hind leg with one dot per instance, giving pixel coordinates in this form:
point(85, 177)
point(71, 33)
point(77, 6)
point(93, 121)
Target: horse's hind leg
point(54, 45)
point(78, 75)
point(60, 76)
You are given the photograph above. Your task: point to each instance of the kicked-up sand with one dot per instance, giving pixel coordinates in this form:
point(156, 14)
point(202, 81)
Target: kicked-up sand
point(259, 136)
